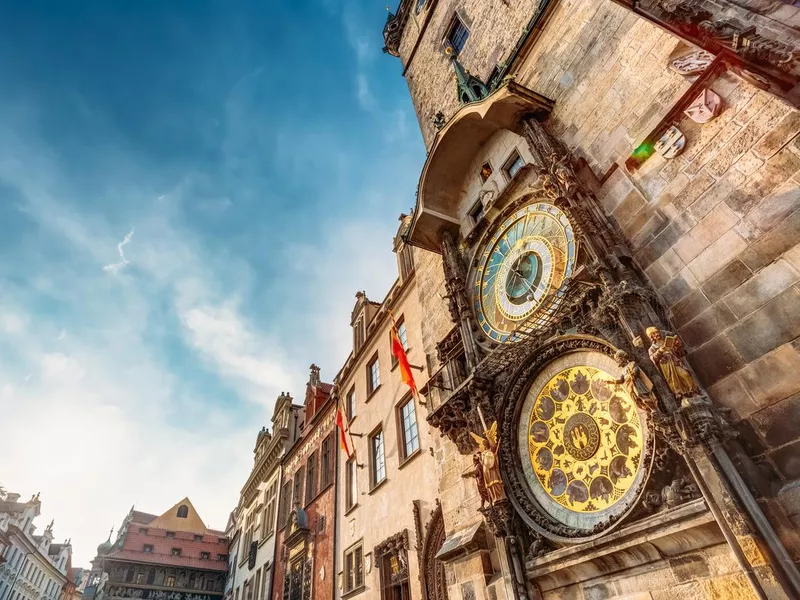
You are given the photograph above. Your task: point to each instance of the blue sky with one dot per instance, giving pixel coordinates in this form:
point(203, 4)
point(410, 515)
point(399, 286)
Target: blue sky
point(256, 156)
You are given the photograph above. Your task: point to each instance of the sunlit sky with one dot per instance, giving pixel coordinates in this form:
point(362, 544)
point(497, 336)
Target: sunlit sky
point(254, 158)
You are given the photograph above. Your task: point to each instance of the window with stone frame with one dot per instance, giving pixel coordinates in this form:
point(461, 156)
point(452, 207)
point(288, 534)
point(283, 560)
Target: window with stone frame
point(402, 334)
point(373, 374)
point(476, 212)
point(350, 404)
point(359, 333)
point(408, 427)
point(270, 501)
point(285, 505)
point(298, 487)
point(354, 568)
point(406, 258)
point(377, 455)
point(457, 35)
point(513, 164)
point(326, 462)
point(311, 477)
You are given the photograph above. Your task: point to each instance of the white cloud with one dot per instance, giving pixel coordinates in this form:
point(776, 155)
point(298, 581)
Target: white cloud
point(123, 261)
point(363, 93)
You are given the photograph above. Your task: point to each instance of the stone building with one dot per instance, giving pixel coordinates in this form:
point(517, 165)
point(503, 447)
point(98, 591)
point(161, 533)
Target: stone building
point(172, 556)
point(256, 516)
point(610, 211)
point(33, 567)
point(388, 518)
point(306, 511)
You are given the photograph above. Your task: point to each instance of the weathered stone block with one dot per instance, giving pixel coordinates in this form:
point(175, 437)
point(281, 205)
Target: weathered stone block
point(676, 289)
point(725, 280)
point(727, 587)
point(781, 135)
point(688, 568)
point(751, 442)
point(694, 189)
point(776, 207)
point(776, 171)
point(665, 240)
point(716, 194)
point(762, 287)
point(717, 255)
point(707, 324)
point(689, 307)
point(787, 460)
point(780, 239)
point(749, 163)
point(687, 591)
point(773, 377)
point(775, 323)
point(732, 393)
point(657, 275)
point(716, 359)
point(778, 423)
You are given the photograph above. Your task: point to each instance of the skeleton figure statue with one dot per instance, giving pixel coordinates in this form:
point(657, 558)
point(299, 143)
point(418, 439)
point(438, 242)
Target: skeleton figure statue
point(487, 451)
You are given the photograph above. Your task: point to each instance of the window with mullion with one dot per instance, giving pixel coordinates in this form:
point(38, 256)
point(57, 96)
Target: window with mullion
point(378, 462)
point(350, 406)
point(457, 34)
point(373, 375)
point(408, 417)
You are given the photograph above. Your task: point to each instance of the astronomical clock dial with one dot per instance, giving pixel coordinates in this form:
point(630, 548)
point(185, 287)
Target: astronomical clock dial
point(521, 271)
point(582, 441)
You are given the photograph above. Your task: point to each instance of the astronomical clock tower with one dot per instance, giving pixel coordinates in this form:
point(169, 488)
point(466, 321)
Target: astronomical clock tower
point(581, 454)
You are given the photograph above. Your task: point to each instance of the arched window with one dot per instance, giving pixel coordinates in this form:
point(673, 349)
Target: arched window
point(183, 511)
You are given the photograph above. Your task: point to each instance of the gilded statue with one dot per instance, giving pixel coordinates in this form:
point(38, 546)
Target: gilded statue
point(667, 354)
point(487, 452)
point(635, 382)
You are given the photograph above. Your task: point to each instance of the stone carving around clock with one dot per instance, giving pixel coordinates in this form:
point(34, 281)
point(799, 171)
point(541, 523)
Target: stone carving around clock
point(521, 270)
point(579, 448)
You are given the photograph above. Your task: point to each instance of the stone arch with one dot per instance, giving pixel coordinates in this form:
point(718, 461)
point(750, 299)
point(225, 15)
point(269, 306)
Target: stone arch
point(434, 581)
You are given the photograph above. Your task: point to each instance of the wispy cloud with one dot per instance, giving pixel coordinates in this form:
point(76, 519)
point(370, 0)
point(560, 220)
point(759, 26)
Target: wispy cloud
point(363, 94)
point(115, 267)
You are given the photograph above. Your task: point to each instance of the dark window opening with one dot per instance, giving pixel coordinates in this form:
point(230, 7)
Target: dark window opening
point(476, 212)
point(457, 35)
point(183, 511)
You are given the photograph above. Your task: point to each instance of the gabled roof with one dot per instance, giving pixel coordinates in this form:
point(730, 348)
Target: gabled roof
point(170, 520)
point(142, 517)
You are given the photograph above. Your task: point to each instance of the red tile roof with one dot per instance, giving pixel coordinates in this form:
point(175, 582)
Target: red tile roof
point(133, 548)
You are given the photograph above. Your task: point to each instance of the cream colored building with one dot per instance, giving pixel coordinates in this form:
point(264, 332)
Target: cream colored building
point(387, 505)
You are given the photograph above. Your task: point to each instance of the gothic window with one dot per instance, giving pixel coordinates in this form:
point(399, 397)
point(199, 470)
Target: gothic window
point(269, 511)
point(311, 477)
point(373, 375)
point(351, 481)
point(183, 511)
point(350, 405)
point(420, 5)
point(377, 457)
point(457, 34)
point(408, 428)
point(513, 165)
point(326, 465)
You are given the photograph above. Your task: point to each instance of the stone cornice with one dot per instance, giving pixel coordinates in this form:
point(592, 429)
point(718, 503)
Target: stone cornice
point(269, 461)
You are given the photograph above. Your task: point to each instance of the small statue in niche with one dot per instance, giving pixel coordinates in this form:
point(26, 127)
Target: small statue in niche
point(678, 492)
point(635, 382)
point(488, 448)
point(667, 354)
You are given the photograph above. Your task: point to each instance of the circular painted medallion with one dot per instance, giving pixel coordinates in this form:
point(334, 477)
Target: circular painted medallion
point(582, 440)
point(522, 269)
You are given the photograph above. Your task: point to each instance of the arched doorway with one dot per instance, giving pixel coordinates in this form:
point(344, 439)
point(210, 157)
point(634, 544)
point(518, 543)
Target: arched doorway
point(433, 569)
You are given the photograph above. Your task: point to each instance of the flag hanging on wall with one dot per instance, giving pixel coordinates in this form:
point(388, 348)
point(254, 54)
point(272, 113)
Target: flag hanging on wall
point(340, 423)
point(402, 360)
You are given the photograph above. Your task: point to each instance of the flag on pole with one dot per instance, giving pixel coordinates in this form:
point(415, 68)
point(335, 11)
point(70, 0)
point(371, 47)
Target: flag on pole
point(340, 423)
point(402, 360)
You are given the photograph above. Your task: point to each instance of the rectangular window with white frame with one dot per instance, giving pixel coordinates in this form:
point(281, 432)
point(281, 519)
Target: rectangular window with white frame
point(270, 502)
point(377, 451)
point(409, 430)
point(350, 404)
point(373, 375)
point(351, 483)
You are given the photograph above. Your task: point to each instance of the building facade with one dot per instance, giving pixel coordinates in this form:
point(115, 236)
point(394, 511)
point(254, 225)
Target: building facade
point(304, 566)
point(33, 567)
point(172, 556)
point(387, 509)
point(256, 516)
point(609, 297)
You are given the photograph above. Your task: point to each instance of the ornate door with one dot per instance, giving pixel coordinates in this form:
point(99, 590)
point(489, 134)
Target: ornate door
point(433, 569)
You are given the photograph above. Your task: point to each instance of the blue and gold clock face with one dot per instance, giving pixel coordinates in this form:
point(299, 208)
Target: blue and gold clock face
point(521, 271)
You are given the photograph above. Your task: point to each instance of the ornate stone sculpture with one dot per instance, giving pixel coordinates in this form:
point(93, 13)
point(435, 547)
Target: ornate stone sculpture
point(490, 466)
point(635, 382)
point(668, 356)
point(480, 480)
